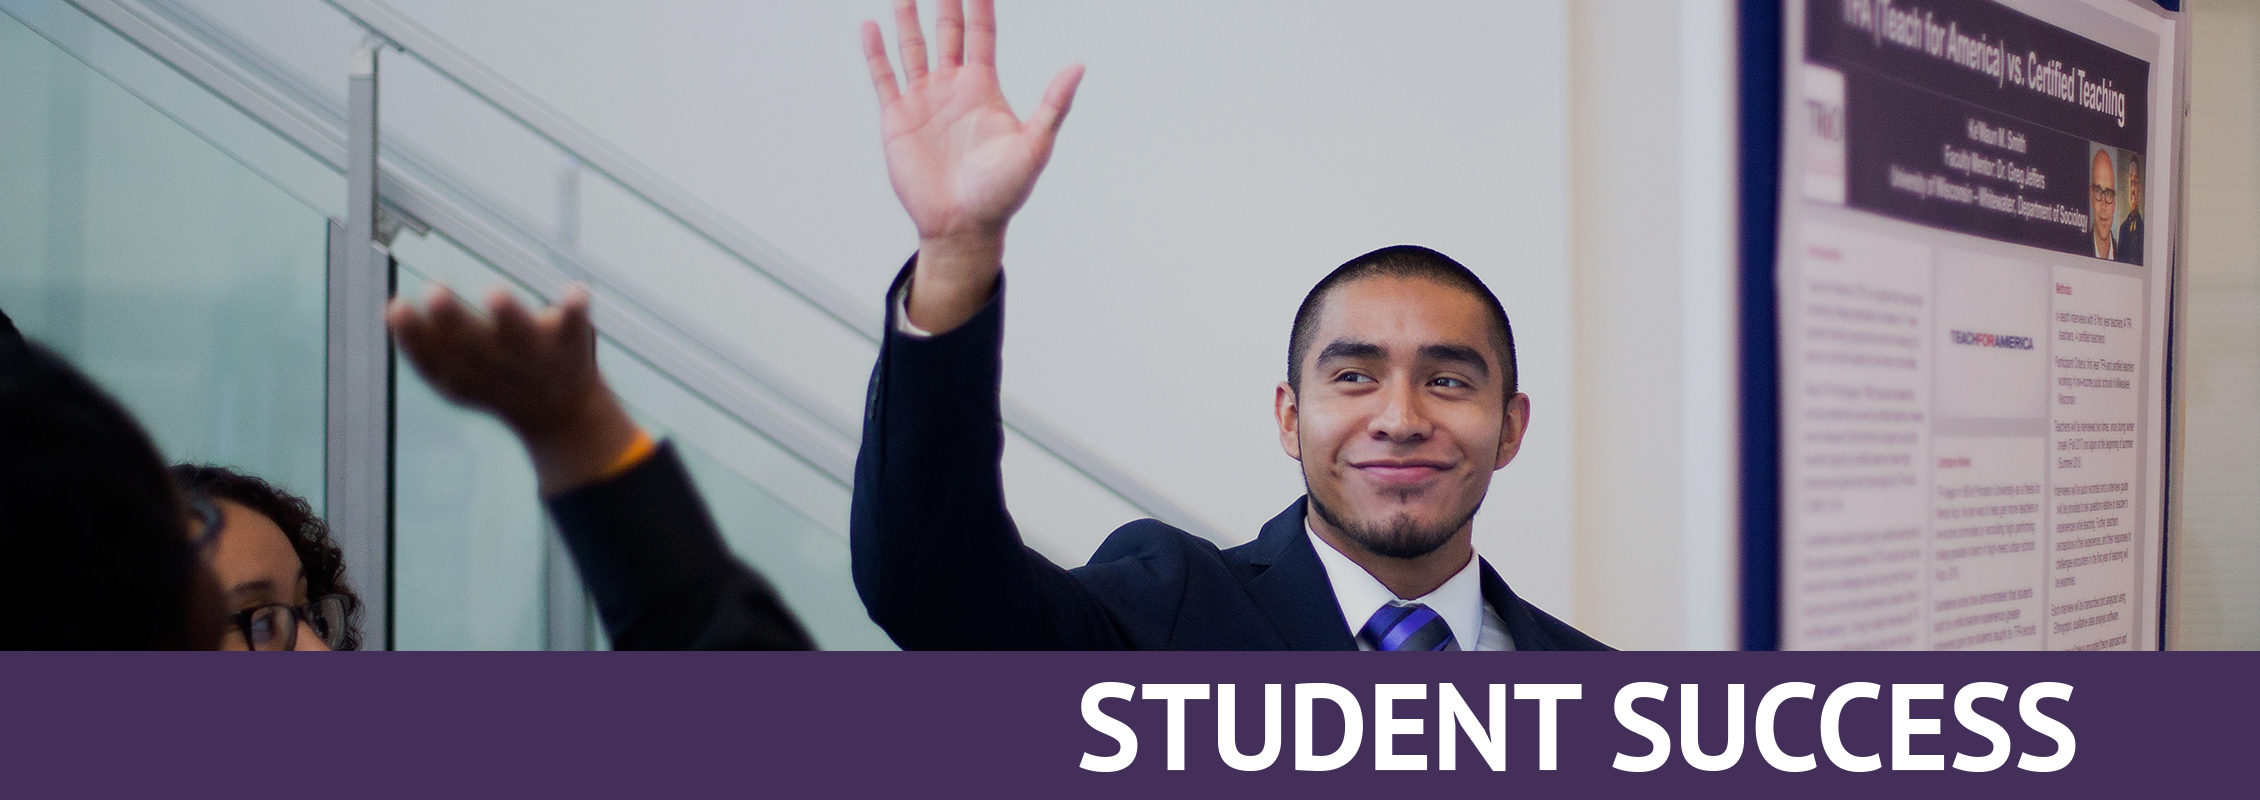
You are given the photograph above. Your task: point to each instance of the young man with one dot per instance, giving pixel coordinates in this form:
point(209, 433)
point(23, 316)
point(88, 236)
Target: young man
point(1399, 403)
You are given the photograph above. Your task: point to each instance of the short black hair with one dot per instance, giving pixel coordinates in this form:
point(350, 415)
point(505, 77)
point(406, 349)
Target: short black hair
point(1400, 261)
point(309, 536)
point(94, 547)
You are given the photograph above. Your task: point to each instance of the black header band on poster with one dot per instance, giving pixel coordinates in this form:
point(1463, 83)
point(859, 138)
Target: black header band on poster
point(1991, 57)
point(1976, 118)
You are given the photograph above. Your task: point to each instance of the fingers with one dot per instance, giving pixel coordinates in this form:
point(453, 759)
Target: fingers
point(981, 33)
point(949, 31)
point(1058, 98)
point(407, 328)
point(444, 318)
point(572, 315)
point(400, 317)
point(882, 75)
point(449, 326)
point(514, 327)
point(574, 305)
point(913, 42)
point(432, 338)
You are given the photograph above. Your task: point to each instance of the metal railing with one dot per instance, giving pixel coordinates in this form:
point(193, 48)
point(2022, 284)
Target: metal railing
point(715, 228)
point(394, 185)
point(416, 191)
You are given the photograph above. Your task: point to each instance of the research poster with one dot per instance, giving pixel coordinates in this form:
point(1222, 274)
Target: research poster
point(1972, 319)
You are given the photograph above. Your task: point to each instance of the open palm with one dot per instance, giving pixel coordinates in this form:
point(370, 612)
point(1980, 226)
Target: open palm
point(960, 161)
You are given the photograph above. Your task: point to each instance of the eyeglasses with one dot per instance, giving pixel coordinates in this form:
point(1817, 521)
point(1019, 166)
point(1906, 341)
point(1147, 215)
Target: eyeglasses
point(2103, 195)
point(274, 626)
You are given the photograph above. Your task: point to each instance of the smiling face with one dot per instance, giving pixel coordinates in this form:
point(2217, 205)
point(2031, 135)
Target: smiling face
point(1402, 415)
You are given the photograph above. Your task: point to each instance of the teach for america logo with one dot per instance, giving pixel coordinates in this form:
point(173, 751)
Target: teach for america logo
point(1974, 339)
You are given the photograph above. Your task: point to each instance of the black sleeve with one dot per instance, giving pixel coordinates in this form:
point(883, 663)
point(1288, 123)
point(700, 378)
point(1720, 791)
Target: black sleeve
point(938, 561)
point(655, 563)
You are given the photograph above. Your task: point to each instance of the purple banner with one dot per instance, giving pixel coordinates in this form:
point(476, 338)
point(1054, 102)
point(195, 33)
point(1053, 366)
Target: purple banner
point(1012, 724)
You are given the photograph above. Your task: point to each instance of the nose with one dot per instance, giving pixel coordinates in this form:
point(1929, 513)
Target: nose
point(308, 639)
point(1400, 418)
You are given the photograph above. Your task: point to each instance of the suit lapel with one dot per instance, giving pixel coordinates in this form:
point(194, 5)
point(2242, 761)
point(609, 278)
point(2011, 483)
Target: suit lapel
point(1292, 588)
point(1521, 624)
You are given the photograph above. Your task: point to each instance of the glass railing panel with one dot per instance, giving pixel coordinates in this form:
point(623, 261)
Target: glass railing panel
point(505, 160)
point(714, 300)
point(189, 285)
point(469, 535)
point(778, 513)
point(729, 305)
point(1060, 512)
point(194, 108)
point(468, 524)
point(736, 308)
point(805, 557)
point(306, 35)
point(725, 303)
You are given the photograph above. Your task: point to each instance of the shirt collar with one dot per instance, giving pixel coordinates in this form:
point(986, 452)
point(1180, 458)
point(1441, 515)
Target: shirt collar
point(1459, 601)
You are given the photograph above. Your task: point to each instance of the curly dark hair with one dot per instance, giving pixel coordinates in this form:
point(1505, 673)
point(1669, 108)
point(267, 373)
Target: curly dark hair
point(309, 535)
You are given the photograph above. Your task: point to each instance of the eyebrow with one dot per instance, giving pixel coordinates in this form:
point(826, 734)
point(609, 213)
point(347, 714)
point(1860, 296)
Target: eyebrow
point(1460, 354)
point(262, 585)
point(1350, 349)
point(250, 587)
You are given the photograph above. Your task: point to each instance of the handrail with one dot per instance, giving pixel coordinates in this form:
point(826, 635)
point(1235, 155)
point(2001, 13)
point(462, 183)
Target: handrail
point(421, 192)
point(413, 185)
point(413, 160)
point(703, 220)
point(639, 180)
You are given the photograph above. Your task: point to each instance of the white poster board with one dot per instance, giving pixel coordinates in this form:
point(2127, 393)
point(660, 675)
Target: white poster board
point(1972, 322)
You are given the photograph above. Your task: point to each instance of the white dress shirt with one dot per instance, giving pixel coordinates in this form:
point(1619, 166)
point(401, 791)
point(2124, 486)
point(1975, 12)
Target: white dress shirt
point(902, 315)
point(1459, 601)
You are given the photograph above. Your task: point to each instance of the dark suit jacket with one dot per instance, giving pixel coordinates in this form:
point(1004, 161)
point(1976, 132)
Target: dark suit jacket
point(656, 565)
point(2129, 248)
point(940, 565)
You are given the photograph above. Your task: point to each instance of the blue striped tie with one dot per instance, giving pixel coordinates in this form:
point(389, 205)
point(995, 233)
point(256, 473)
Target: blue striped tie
point(1407, 626)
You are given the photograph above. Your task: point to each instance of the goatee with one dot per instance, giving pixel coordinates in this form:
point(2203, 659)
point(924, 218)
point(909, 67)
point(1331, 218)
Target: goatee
point(1401, 537)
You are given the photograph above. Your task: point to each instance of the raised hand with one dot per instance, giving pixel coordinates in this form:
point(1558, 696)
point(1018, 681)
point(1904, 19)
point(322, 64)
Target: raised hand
point(534, 370)
point(960, 160)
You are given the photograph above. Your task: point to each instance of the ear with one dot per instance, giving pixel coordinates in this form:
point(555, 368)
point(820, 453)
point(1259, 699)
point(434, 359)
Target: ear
point(1283, 406)
point(1510, 431)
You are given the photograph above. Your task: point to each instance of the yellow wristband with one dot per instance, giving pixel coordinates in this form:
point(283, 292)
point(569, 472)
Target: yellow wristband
point(637, 451)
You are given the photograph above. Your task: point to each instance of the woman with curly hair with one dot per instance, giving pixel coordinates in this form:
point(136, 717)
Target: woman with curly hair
point(282, 581)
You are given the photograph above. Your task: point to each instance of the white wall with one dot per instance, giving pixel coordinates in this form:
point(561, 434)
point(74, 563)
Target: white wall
point(2213, 561)
point(1652, 153)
